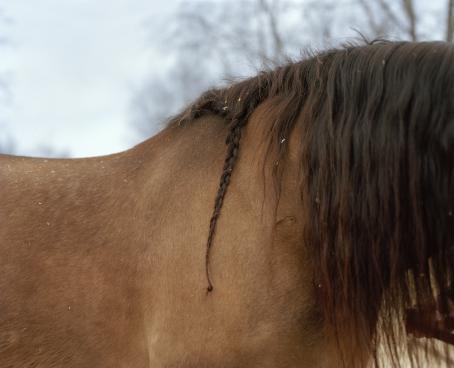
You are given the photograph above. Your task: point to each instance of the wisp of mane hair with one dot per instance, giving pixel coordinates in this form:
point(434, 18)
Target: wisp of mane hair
point(377, 179)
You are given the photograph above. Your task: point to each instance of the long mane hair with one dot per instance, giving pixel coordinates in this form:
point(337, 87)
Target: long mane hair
point(377, 178)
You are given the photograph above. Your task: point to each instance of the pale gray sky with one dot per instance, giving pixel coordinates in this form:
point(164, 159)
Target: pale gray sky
point(72, 68)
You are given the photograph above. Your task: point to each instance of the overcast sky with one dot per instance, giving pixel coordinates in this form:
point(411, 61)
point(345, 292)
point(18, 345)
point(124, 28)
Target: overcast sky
point(72, 67)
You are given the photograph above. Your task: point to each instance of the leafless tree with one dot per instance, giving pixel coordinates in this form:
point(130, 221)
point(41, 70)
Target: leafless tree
point(214, 41)
point(450, 22)
point(386, 17)
point(401, 17)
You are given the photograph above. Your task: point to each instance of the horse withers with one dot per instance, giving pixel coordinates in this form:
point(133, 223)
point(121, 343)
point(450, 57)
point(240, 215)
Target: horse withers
point(330, 244)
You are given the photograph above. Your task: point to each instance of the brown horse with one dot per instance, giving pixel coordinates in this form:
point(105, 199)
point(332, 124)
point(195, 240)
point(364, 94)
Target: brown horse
point(332, 248)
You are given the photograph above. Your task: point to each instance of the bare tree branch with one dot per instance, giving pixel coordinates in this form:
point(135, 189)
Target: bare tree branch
point(393, 18)
point(411, 16)
point(382, 17)
point(272, 17)
point(450, 22)
point(375, 26)
point(224, 39)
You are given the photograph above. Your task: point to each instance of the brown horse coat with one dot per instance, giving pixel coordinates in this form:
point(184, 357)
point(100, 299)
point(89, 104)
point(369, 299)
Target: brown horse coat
point(102, 260)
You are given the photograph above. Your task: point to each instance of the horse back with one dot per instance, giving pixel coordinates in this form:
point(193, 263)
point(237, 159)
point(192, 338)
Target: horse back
point(68, 279)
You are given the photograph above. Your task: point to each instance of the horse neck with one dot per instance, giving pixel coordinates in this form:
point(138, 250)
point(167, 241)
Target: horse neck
point(258, 268)
point(179, 180)
point(182, 169)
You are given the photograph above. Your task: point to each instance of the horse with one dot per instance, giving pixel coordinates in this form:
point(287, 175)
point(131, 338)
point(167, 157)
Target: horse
point(302, 217)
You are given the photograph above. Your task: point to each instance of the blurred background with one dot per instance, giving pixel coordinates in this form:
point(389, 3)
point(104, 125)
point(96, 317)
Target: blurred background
point(83, 78)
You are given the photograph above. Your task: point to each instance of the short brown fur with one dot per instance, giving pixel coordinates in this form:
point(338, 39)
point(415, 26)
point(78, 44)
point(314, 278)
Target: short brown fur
point(339, 171)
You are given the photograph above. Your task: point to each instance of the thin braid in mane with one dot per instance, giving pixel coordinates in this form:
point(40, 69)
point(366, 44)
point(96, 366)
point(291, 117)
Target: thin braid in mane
point(376, 174)
point(235, 104)
point(233, 142)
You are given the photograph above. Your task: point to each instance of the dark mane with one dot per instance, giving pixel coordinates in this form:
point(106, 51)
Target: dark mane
point(377, 176)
